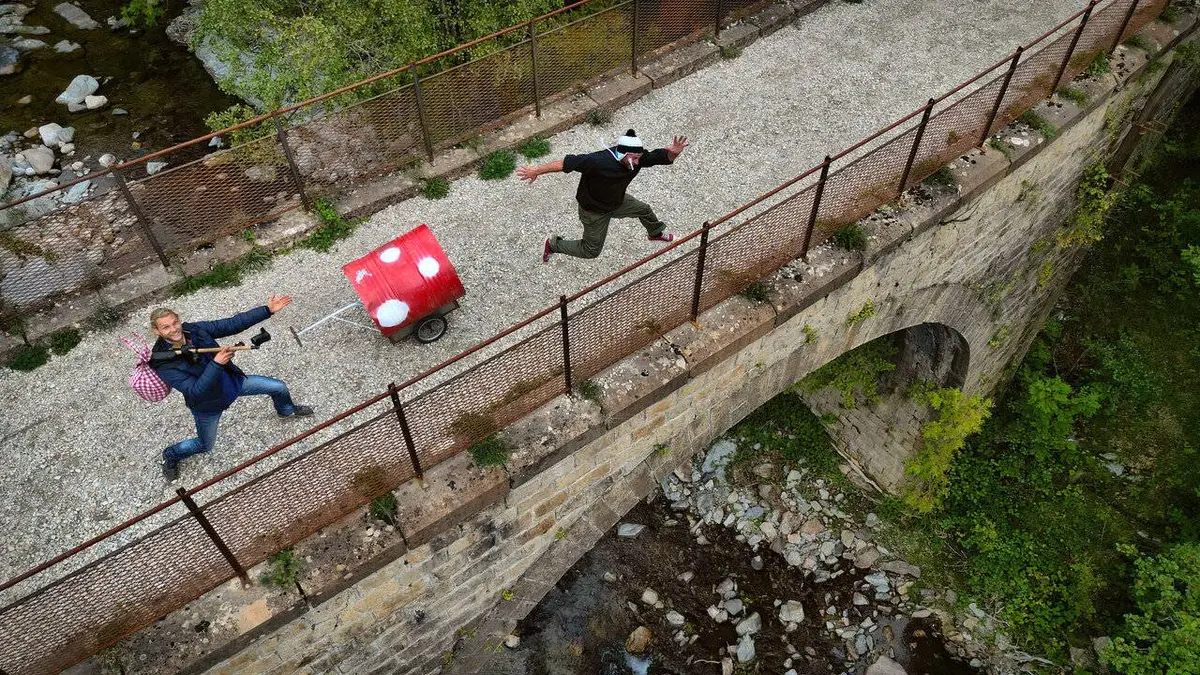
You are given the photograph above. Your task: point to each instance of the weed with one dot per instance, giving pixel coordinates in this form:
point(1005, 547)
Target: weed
point(1030, 192)
point(1003, 146)
point(662, 449)
point(1170, 14)
point(220, 275)
point(865, 312)
point(332, 229)
point(248, 235)
point(1039, 124)
point(435, 188)
point(599, 116)
point(943, 177)
point(507, 595)
point(105, 317)
point(856, 374)
point(29, 357)
point(1075, 95)
point(590, 390)
point(730, 51)
point(786, 428)
point(958, 416)
point(756, 292)
point(1045, 274)
point(384, 507)
point(1093, 203)
point(535, 147)
point(1139, 41)
point(64, 340)
point(851, 238)
point(498, 165)
point(560, 534)
point(491, 451)
point(283, 569)
point(810, 334)
point(1098, 65)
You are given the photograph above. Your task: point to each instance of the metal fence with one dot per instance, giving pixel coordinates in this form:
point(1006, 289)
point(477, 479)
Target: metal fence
point(410, 427)
point(78, 234)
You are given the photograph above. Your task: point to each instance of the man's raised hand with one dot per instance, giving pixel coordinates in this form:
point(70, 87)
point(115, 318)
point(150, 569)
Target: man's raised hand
point(278, 302)
point(527, 172)
point(224, 356)
point(677, 146)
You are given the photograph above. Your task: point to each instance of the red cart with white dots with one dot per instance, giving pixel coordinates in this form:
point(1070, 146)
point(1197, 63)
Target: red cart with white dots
point(406, 286)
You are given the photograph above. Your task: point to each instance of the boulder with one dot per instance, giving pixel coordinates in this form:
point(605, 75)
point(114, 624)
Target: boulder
point(80, 88)
point(65, 46)
point(50, 134)
point(76, 16)
point(95, 102)
point(9, 60)
point(791, 612)
point(638, 640)
point(40, 158)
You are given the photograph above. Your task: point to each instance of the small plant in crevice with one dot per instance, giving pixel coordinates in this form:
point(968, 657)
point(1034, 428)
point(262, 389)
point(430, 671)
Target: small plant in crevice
point(1030, 192)
point(865, 312)
point(599, 116)
point(810, 334)
point(662, 449)
point(730, 51)
point(1093, 202)
point(435, 187)
point(385, 507)
point(1075, 95)
point(1045, 274)
point(1170, 14)
point(1139, 41)
point(507, 595)
point(491, 451)
point(590, 390)
point(498, 165)
point(998, 338)
point(1039, 124)
point(535, 147)
point(334, 227)
point(756, 292)
point(560, 534)
point(283, 570)
point(943, 177)
point(851, 238)
point(1003, 146)
point(1098, 65)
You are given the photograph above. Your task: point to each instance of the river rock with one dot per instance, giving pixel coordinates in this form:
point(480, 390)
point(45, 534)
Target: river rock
point(624, 530)
point(5, 174)
point(76, 16)
point(650, 597)
point(120, 111)
point(40, 158)
point(638, 640)
point(791, 612)
point(745, 649)
point(65, 46)
point(901, 567)
point(80, 88)
point(25, 100)
point(749, 625)
point(67, 148)
point(95, 102)
point(28, 44)
point(154, 167)
point(50, 134)
point(886, 666)
point(512, 641)
point(77, 192)
point(866, 558)
point(9, 60)
point(14, 9)
point(675, 618)
point(726, 666)
point(733, 606)
point(718, 455)
point(861, 600)
point(107, 159)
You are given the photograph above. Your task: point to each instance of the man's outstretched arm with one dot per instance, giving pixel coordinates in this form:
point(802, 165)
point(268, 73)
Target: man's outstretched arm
point(532, 171)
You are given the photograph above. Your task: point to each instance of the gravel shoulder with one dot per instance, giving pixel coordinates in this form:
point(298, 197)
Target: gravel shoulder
point(79, 452)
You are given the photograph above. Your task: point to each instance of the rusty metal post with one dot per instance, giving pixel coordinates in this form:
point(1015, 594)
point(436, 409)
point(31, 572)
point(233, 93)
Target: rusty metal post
point(1012, 68)
point(287, 152)
point(566, 340)
point(405, 431)
point(700, 270)
point(816, 207)
point(537, 97)
point(212, 534)
point(142, 221)
point(412, 67)
point(1124, 26)
point(634, 35)
point(912, 155)
point(717, 21)
point(1087, 13)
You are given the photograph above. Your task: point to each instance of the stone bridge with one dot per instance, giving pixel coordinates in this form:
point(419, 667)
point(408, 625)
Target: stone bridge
point(962, 278)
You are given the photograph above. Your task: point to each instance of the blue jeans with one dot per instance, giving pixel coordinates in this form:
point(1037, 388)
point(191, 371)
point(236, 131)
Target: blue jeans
point(206, 422)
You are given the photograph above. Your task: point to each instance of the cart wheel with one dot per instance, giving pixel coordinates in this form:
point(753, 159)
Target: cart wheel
point(430, 329)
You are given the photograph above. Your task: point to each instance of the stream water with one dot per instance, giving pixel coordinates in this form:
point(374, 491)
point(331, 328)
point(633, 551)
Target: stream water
point(164, 88)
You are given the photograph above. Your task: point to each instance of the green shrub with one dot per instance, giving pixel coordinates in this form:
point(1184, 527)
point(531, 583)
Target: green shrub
point(1170, 14)
point(498, 165)
point(1098, 66)
point(142, 13)
point(1161, 637)
point(29, 357)
point(590, 390)
point(1139, 41)
point(756, 292)
point(852, 238)
point(855, 374)
point(435, 188)
point(1038, 124)
point(384, 507)
point(943, 177)
point(958, 416)
point(1093, 201)
point(1075, 95)
point(535, 147)
point(283, 570)
point(491, 451)
point(333, 228)
point(63, 341)
point(1004, 147)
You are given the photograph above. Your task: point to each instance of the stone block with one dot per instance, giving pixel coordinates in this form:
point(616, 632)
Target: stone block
point(737, 37)
point(680, 63)
point(720, 332)
point(638, 381)
point(620, 90)
point(772, 18)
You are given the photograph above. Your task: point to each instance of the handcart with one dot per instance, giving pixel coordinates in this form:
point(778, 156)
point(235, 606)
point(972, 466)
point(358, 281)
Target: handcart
point(406, 286)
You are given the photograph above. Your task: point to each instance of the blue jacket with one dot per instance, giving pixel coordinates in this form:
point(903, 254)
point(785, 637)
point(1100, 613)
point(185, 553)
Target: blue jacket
point(205, 384)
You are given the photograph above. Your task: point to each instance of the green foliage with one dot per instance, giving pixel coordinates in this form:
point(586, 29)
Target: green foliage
point(1045, 274)
point(64, 340)
point(560, 534)
point(855, 374)
point(283, 569)
point(1163, 636)
point(1098, 66)
point(1075, 95)
point(142, 13)
point(435, 188)
point(1170, 14)
point(491, 451)
point(507, 595)
point(1093, 200)
point(662, 449)
point(1139, 41)
point(223, 274)
point(852, 238)
point(865, 312)
point(234, 115)
point(28, 357)
point(384, 507)
point(1191, 261)
point(810, 334)
point(590, 390)
point(999, 337)
point(498, 165)
point(535, 147)
point(730, 51)
point(756, 292)
point(958, 416)
point(1004, 147)
point(333, 228)
point(1039, 124)
point(943, 177)
point(785, 427)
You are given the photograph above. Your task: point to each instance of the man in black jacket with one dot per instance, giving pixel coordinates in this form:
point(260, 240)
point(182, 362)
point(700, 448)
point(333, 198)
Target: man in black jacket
point(210, 382)
point(601, 193)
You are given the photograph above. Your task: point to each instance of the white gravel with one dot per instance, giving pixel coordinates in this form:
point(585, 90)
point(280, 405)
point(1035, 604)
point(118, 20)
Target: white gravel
point(79, 452)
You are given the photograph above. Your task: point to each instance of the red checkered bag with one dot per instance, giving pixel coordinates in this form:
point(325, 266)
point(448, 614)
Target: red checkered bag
point(143, 379)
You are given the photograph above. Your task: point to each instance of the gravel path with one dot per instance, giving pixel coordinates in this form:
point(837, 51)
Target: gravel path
point(79, 452)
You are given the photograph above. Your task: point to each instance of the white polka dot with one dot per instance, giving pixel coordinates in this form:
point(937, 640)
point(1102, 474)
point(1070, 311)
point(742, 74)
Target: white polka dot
point(391, 313)
point(428, 267)
point(389, 255)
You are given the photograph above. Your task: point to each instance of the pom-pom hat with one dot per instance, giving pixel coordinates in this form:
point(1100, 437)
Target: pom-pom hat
point(630, 143)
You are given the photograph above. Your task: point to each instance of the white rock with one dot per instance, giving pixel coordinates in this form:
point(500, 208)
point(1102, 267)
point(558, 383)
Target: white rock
point(40, 158)
point(686, 577)
point(512, 642)
point(650, 597)
point(625, 530)
point(726, 666)
point(95, 102)
point(27, 44)
point(745, 649)
point(66, 134)
point(675, 618)
point(749, 625)
point(65, 46)
point(50, 134)
point(67, 148)
point(76, 16)
point(76, 107)
point(5, 173)
point(860, 599)
point(886, 666)
point(154, 167)
point(106, 160)
point(791, 612)
point(610, 577)
point(80, 88)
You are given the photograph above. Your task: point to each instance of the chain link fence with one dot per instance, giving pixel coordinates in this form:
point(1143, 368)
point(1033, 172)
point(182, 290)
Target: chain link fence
point(404, 431)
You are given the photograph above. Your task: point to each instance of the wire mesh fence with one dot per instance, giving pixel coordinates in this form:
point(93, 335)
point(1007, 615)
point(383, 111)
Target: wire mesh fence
point(392, 440)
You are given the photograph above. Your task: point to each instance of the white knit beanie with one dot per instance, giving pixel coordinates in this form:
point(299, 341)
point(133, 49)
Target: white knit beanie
point(630, 143)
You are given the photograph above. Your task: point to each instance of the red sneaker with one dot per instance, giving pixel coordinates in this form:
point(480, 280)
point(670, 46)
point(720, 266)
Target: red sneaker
point(665, 237)
point(546, 252)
